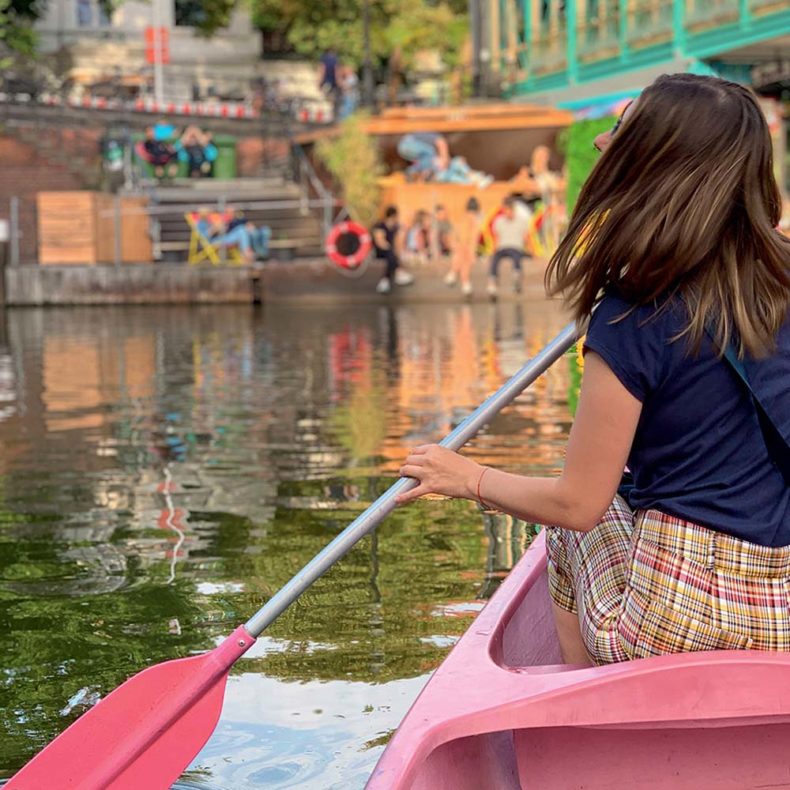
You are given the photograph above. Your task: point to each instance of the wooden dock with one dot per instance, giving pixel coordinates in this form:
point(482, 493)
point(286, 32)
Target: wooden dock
point(305, 281)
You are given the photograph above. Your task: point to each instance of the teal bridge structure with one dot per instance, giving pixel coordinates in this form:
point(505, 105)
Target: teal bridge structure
point(572, 51)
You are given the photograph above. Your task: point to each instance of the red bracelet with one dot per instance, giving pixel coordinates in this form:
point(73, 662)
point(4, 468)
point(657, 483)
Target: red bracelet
point(479, 481)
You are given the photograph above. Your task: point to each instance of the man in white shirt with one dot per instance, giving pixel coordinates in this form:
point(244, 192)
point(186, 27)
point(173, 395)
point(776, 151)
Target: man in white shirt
point(510, 229)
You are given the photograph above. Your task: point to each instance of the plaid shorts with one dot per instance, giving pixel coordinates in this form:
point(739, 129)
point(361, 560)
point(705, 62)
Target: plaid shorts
point(645, 584)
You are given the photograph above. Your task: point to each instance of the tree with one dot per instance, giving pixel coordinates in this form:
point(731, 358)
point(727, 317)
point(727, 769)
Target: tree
point(16, 28)
point(404, 26)
point(353, 159)
point(206, 16)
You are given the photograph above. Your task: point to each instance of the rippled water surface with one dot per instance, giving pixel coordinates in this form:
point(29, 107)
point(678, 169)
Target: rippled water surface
point(163, 471)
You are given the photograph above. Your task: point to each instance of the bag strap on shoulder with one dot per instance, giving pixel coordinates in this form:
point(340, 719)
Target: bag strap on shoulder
point(778, 446)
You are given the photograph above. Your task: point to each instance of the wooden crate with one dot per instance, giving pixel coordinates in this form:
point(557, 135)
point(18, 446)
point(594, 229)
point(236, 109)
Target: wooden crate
point(136, 244)
point(104, 207)
point(67, 227)
point(79, 228)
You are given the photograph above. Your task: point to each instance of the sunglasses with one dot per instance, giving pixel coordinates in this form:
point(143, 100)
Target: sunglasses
point(619, 121)
point(617, 124)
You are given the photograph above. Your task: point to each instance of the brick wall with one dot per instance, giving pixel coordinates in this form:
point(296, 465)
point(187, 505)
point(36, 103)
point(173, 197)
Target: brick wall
point(254, 153)
point(48, 159)
point(23, 173)
point(78, 148)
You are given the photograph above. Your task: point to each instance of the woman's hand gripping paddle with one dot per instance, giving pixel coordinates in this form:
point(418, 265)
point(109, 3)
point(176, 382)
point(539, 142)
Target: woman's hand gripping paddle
point(145, 733)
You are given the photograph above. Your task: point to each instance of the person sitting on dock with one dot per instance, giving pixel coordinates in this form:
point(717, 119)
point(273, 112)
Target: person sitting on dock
point(417, 245)
point(216, 228)
point(197, 149)
point(386, 240)
point(427, 152)
point(260, 235)
point(159, 153)
point(510, 229)
point(674, 267)
point(459, 171)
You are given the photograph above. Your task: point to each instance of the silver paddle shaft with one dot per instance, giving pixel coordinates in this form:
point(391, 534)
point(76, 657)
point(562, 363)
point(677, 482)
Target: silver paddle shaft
point(385, 504)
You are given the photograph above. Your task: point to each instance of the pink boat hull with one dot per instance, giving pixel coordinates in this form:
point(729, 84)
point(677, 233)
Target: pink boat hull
point(503, 713)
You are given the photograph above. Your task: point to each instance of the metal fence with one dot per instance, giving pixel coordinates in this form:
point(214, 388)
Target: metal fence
point(168, 234)
point(13, 231)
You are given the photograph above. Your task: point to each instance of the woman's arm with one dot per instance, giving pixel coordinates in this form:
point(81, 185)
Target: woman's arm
point(598, 448)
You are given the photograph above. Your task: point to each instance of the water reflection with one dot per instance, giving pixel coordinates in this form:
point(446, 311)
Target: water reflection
point(164, 470)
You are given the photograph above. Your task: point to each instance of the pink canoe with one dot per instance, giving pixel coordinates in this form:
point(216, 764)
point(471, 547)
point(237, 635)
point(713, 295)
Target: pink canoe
point(502, 712)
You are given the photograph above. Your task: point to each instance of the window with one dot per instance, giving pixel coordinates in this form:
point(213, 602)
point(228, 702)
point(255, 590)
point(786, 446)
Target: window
point(91, 13)
point(84, 13)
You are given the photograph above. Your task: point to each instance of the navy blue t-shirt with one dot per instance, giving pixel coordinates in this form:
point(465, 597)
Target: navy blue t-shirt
point(698, 453)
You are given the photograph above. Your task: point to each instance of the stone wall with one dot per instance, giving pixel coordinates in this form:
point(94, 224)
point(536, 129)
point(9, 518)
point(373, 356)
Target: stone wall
point(159, 284)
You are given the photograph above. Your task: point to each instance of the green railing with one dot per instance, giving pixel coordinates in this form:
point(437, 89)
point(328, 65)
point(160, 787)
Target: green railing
point(649, 21)
point(768, 5)
point(549, 52)
point(611, 36)
point(599, 36)
point(710, 12)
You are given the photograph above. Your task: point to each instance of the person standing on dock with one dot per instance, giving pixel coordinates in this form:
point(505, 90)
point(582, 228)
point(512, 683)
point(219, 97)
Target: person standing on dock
point(387, 241)
point(328, 80)
point(464, 248)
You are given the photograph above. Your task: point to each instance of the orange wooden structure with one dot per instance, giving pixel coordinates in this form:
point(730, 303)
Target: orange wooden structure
point(411, 198)
point(79, 228)
point(495, 138)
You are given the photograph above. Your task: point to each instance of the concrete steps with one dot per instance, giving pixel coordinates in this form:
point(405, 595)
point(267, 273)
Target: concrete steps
point(296, 230)
point(235, 190)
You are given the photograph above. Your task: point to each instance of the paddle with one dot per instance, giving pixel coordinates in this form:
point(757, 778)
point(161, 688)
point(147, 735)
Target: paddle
point(146, 732)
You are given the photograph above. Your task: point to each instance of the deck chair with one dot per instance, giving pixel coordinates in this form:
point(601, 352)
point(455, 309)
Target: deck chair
point(201, 248)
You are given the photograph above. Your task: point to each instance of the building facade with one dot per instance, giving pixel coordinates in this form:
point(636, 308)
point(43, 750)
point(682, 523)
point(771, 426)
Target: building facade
point(98, 47)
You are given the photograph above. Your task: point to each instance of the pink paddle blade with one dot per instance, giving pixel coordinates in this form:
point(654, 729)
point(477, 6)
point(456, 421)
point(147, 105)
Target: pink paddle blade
point(143, 734)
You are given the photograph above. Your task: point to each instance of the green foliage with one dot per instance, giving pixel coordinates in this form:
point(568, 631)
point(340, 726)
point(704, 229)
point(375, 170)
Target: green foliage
point(16, 29)
point(360, 424)
point(206, 16)
point(580, 154)
point(405, 26)
point(416, 26)
point(575, 364)
point(353, 159)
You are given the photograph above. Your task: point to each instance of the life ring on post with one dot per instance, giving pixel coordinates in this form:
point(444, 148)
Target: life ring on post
point(348, 244)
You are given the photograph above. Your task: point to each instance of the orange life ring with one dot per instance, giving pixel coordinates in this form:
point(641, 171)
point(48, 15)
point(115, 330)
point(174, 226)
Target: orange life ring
point(353, 259)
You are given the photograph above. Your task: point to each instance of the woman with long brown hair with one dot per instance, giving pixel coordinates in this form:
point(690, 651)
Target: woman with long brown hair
point(673, 263)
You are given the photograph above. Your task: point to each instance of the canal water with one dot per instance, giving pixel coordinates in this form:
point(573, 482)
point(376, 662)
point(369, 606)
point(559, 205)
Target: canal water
point(164, 470)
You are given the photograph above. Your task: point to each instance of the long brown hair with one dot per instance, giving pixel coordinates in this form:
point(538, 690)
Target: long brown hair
point(684, 202)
